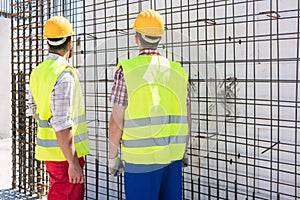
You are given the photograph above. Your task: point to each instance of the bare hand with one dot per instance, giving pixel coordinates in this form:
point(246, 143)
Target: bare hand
point(75, 173)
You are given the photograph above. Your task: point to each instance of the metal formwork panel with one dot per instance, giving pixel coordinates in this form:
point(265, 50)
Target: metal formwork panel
point(242, 57)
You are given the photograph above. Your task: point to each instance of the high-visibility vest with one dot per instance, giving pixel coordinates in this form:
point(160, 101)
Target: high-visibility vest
point(42, 82)
point(155, 121)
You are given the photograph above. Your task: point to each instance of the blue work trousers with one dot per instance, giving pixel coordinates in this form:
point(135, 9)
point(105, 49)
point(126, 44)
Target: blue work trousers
point(161, 184)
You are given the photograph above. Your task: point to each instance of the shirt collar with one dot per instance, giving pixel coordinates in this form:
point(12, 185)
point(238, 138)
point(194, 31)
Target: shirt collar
point(54, 56)
point(149, 52)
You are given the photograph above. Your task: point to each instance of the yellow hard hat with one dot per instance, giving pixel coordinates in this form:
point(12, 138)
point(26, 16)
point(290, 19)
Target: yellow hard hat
point(58, 27)
point(149, 22)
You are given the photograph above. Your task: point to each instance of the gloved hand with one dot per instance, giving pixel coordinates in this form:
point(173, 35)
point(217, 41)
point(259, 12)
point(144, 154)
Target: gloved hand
point(185, 160)
point(116, 166)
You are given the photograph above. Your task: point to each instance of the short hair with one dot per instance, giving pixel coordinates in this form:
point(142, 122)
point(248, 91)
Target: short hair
point(146, 44)
point(61, 47)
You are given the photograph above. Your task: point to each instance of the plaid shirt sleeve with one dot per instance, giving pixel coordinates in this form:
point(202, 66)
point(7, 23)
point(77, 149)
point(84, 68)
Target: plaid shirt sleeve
point(61, 102)
point(119, 90)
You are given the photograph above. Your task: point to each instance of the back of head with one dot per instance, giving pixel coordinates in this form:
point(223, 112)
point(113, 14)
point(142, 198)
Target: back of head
point(58, 31)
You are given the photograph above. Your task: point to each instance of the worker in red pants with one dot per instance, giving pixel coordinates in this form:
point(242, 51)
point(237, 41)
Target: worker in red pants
point(55, 101)
point(58, 172)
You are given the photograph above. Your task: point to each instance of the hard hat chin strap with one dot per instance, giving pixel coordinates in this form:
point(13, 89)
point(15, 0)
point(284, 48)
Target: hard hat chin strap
point(57, 43)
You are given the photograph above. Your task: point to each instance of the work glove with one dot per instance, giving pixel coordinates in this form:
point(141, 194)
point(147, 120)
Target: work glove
point(185, 160)
point(116, 166)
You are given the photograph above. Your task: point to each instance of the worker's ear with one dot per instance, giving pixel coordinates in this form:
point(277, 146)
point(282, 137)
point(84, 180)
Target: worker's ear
point(70, 44)
point(137, 39)
point(71, 50)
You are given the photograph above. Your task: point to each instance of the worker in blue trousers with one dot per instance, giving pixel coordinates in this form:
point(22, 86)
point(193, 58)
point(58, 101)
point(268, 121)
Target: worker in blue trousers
point(150, 117)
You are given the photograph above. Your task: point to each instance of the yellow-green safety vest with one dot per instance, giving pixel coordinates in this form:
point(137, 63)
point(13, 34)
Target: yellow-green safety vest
point(155, 122)
point(42, 82)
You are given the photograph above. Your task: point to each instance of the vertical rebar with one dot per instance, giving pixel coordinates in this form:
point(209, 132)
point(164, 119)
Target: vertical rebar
point(246, 100)
point(13, 106)
point(225, 122)
point(254, 98)
point(297, 99)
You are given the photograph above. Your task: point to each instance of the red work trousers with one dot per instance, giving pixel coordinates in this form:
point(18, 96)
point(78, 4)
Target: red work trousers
point(60, 187)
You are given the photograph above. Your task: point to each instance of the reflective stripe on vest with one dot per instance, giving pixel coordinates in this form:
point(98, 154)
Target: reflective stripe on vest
point(46, 123)
point(165, 141)
point(159, 120)
point(54, 143)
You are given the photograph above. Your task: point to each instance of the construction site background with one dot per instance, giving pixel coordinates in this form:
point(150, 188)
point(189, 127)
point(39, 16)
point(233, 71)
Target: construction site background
point(242, 57)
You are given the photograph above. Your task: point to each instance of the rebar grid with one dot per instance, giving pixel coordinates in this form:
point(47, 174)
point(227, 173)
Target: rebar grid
point(242, 58)
point(29, 175)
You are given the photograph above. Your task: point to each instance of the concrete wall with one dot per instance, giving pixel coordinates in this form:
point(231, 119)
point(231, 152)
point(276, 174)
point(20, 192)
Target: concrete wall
point(5, 78)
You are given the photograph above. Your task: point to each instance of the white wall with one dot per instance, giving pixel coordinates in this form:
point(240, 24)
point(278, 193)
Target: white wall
point(5, 78)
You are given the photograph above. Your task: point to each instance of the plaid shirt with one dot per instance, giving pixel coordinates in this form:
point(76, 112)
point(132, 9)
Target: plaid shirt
point(61, 99)
point(119, 90)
